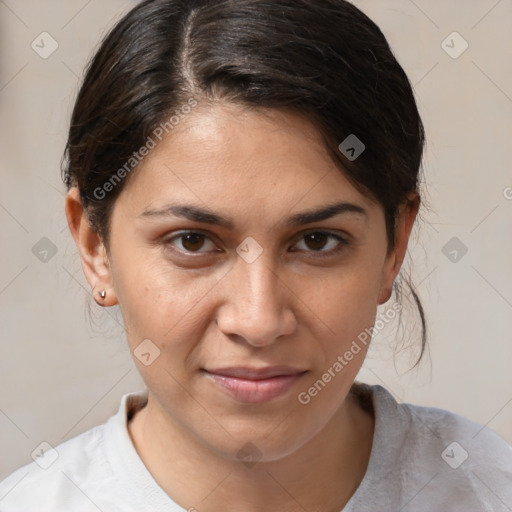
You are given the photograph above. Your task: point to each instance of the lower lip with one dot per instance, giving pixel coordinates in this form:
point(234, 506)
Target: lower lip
point(254, 391)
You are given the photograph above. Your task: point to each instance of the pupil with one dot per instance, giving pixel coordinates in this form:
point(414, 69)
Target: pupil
point(195, 239)
point(193, 242)
point(318, 240)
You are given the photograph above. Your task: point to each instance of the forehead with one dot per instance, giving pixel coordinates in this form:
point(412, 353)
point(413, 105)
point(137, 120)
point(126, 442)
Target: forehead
point(251, 158)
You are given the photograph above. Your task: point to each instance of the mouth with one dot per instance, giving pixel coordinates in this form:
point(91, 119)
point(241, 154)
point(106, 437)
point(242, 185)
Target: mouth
point(254, 385)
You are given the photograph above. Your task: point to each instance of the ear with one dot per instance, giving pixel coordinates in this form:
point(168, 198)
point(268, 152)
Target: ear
point(93, 254)
point(403, 225)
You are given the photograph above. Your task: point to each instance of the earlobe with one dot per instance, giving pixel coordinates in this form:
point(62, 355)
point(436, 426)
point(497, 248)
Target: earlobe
point(403, 227)
point(93, 255)
point(100, 297)
point(386, 289)
point(385, 295)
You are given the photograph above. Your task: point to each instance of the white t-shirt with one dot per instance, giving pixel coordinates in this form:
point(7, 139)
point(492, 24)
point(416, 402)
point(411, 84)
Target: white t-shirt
point(422, 460)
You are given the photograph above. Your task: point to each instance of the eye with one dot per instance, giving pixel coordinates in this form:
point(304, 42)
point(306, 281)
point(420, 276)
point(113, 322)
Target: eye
point(319, 243)
point(190, 241)
point(322, 242)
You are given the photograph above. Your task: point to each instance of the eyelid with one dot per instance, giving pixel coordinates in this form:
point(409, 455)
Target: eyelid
point(343, 240)
point(168, 239)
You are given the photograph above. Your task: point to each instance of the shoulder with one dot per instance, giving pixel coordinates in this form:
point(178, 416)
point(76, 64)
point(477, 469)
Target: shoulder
point(426, 457)
point(58, 476)
point(97, 470)
point(438, 428)
point(461, 440)
point(464, 458)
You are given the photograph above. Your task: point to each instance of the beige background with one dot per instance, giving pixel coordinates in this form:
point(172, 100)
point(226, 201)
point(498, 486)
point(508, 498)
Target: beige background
point(61, 374)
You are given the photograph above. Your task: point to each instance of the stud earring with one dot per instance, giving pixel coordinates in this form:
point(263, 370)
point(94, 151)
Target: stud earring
point(103, 294)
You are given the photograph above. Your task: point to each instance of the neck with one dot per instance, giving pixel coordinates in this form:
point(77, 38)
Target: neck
point(322, 475)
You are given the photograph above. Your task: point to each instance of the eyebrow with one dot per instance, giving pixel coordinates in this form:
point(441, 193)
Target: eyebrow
point(198, 214)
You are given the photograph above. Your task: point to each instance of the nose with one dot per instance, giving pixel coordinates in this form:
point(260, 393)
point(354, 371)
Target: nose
point(257, 306)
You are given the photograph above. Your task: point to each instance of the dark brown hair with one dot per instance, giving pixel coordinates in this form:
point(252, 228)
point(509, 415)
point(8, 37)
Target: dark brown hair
point(324, 59)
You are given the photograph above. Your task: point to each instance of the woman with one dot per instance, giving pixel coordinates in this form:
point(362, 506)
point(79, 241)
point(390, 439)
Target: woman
point(243, 180)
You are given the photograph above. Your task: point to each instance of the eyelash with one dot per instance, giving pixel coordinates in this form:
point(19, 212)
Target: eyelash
point(317, 254)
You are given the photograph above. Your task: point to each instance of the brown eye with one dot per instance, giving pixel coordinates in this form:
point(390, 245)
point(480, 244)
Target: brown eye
point(321, 242)
point(316, 241)
point(191, 241)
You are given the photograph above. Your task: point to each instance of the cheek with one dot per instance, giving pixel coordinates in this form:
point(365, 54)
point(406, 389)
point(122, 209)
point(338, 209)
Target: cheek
point(347, 304)
point(162, 304)
point(346, 301)
point(173, 307)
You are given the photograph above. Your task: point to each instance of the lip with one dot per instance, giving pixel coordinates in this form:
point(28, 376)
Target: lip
point(255, 385)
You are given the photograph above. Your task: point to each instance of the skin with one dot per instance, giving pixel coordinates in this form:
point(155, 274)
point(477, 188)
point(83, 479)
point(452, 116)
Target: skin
point(213, 309)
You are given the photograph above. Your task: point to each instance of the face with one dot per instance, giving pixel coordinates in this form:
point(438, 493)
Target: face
point(248, 284)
